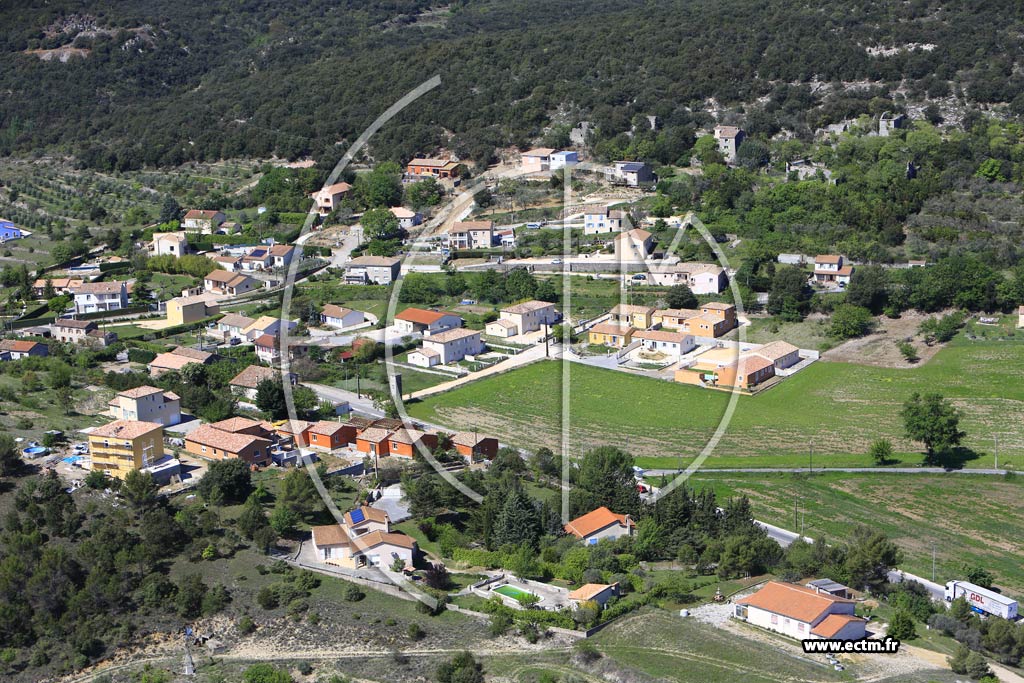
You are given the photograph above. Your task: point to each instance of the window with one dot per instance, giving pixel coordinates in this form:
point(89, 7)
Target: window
point(800, 627)
point(775, 618)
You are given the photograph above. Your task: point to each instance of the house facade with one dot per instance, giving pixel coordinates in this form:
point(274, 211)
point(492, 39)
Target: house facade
point(407, 219)
point(537, 160)
point(93, 297)
point(600, 524)
point(640, 317)
point(211, 443)
point(147, 404)
point(438, 168)
point(454, 345)
point(9, 231)
point(830, 269)
point(198, 220)
point(729, 139)
point(598, 593)
point(170, 244)
point(329, 198)
point(231, 284)
point(471, 235)
point(674, 344)
point(701, 278)
point(413, 320)
point(632, 173)
point(530, 316)
point(121, 446)
point(598, 219)
point(16, 349)
point(189, 309)
point(474, 446)
point(372, 270)
point(801, 613)
point(340, 317)
point(327, 435)
point(634, 246)
point(615, 335)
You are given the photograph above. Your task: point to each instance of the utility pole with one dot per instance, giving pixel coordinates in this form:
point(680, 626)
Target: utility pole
point(996, 437)
point(933, 563)
point(810, 456)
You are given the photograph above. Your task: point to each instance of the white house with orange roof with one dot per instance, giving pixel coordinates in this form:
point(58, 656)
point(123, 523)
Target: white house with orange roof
point(599, 593)
point(330, 197)
point(800, 612)
point(634, 246)
point(147, 404)
point(202, 220)
point(600, 524)
point(407, 218)
point(424, 321)
point(830, 269)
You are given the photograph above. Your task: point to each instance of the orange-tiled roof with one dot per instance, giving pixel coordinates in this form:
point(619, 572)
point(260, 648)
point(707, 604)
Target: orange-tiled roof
point(235, 424)
point(462, 226)
point(326, 427)
point(590, 590)
point(451, 335)
point(139, 392)
point(748, 365)
point(682, 313)
point(718, 306)
point(376, 538)
point(790, 600)
point(833, 624)
point(775, 350)
point(18, 345)
point(329, 534)
point(594, 521)
point(468, 439)
point(369, 515)
point(265, 341)
point(828, 258)
point(420, 315)
point(252, 376)
point(201, 213)
point(208, 435)
point(539, 152)
point(630, 309)
point(125, 429)
point(375, 435)
point(335, 311)
point(660, 335)
point(611, 328)
point(526, 307)
point(173, 361)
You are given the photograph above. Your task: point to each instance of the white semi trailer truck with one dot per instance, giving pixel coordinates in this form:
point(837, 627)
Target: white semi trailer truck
point(982, 600)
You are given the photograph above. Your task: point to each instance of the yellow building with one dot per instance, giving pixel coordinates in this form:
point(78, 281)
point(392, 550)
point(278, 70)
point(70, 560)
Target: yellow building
point(121, 446)
point(190, 309)
point(610, 334)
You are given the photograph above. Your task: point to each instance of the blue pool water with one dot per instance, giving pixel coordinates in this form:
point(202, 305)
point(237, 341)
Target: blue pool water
point(36, 450)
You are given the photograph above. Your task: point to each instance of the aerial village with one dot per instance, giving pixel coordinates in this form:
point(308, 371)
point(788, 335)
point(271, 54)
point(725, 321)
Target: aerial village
point(206, 365)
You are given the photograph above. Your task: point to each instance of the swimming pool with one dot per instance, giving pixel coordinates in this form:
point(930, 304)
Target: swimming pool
point(513, 592)
point(72, 459)
point(36, 450)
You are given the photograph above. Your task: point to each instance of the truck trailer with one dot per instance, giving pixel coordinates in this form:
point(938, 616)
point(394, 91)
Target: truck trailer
point(982, 600)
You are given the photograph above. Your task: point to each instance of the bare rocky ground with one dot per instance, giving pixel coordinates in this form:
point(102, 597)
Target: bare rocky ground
point(880, 347)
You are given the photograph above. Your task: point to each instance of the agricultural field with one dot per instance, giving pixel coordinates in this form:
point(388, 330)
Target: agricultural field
point(971, 520)
point(835, 410)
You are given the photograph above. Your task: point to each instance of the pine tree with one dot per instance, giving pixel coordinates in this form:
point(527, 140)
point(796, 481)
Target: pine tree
point(170, 211)
point(517, 521)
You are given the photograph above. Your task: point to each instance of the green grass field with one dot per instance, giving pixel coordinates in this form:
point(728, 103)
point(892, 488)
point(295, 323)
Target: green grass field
point(838, 408)
point(968, 519)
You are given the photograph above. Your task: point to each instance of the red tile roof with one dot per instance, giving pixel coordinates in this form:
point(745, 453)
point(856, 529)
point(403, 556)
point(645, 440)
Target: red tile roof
point(790, 600)
point(421, 316)
point(833, 624)
point(594, 521)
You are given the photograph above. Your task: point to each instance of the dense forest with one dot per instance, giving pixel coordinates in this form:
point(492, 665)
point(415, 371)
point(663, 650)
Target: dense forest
point(154, 83)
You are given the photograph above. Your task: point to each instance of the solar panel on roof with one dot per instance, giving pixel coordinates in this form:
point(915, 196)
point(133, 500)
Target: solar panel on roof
point(357, 516)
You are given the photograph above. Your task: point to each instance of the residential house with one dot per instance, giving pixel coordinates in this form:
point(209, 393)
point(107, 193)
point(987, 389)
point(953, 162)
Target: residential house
point(281, 255)
point(563, 159)
point(632, 173)
point(211, 443)
point(506, 238)
point(1020, 316)
point(256, 259)
point(9, 231)
point(722, 368)
point(247, 381)
point(805, 169)
point(60, 285)
point(233, 326)
point(177, 359)
point(267, 324)
point(673, 318)
point(598, 219)
point(147, 404)
point(340, 317)
point(599, 593)
point(374, 441)
point(170, 244)
point(329, 198)
point(634, 246)
point(328, 435)
point(268, 348)
point(537, 160)
point(189, 309)
point(729, 139)
point(335, 545)
point(615, 335)
point(454, 345)
point(502, 328)
point(829, 269)
point(640, 317)
point(438, 168)
point(81, 332)
point(407, 219)
point(294, 431)
point(474, 446)
point(674, 344)
point(228, 228)
point(701, 278)
point(405, 441)
point(92, 297)
point(16, 349)
point(121, 446)
point(530, 316)
point(471, 235)
point(781, 354)
point(232, 263)
point(244, 425)
point(413, 320)
point(600, 524)
point(801, 613)
point(365, 520)
point(231, 284)
point(198, 220)
point(715, 319)
point(376, 270)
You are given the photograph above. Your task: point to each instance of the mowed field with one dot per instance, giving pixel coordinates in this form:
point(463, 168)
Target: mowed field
point(972, 520)
point(840, 408)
